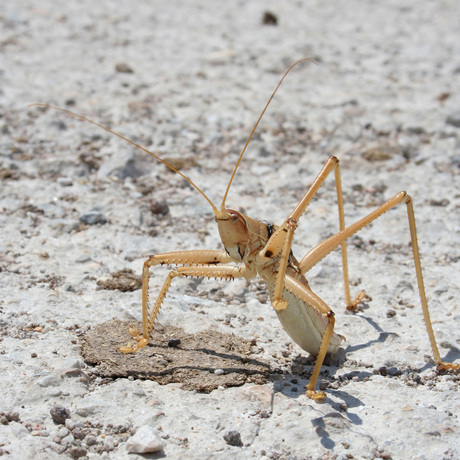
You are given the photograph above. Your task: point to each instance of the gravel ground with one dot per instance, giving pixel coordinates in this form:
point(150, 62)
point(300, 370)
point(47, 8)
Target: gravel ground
point(188, 80)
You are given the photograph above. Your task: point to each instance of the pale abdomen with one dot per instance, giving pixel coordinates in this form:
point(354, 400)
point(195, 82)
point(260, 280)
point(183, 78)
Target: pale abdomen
point(303, 322)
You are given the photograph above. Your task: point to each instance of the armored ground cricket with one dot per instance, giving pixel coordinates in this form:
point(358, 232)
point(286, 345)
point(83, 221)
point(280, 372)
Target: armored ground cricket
point(257, 247)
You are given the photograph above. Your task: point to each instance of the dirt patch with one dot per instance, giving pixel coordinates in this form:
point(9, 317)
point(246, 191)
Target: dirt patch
point(202, 361)
point(124, 280)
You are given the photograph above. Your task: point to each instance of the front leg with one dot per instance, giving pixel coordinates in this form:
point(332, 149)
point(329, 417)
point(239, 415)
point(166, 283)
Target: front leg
point(278, 302)
point(279, 244)
point(203, 264)
point(197, 257)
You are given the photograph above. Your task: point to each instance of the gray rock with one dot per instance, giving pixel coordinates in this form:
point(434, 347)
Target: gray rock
point(59, 414)
point(93, 217)
point(233, 438)
point(77, 452)
point(454, 119)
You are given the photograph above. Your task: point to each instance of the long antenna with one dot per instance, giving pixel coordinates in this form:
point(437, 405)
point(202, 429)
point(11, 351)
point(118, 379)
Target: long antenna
point(222, 207)
point(81, 117)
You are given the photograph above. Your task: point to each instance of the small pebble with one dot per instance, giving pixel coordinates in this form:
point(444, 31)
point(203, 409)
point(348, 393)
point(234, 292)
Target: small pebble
point(233, 438)
point(269, 18)
point(109, 443)
point(12, 416)
point(343, 407)
point(56, 392)
point(77, 434)
point(431, 375)
point(90, 440)
point(82, 259)
point(59, 414)
point(69, 424)
point(93, 218)
point(454, 119)
point(219, 372)
point(145, 440)
point(69, 439)
point(77, 452)
point(173, 343)
point(83, 412)
point(160, 207)
point(122, 67)
point(65, 181)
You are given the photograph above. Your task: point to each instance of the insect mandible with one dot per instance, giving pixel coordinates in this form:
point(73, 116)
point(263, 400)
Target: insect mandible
point(254, 247)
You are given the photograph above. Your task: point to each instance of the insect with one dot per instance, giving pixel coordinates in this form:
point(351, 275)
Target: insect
point(254, 247)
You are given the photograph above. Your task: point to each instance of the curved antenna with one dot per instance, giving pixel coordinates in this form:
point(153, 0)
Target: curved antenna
point(81, 117)
point(222, 206)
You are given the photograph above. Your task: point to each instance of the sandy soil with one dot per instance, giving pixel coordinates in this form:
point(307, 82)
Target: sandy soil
point(188, 81)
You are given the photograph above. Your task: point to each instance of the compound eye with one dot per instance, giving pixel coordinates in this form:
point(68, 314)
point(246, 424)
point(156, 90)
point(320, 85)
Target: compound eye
point(234, 217)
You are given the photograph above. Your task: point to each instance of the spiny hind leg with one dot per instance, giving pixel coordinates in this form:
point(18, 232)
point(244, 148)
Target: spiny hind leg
point(324, 248)
point(361, 295)
point(210, 269)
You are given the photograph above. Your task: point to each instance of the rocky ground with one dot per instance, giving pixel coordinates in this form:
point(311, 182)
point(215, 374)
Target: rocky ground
point(78, 206)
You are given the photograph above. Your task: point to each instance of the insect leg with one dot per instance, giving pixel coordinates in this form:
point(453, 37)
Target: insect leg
point(278, 302)
point(351, 304)
point(205, 264)
point(280, 241)
point(197, 257)
point(275, 244)
point(310, 323)
point(311, 393)
point(328, 245)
